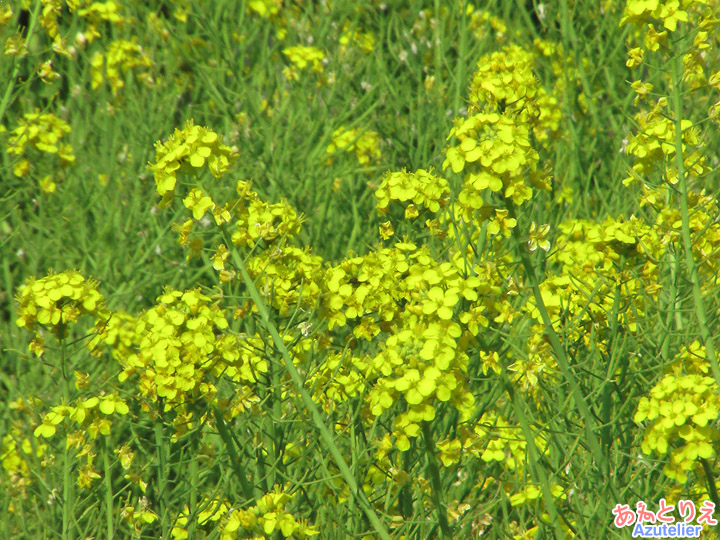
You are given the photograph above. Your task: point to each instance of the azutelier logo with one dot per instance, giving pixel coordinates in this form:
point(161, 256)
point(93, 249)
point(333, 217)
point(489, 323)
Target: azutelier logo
point(661, 524)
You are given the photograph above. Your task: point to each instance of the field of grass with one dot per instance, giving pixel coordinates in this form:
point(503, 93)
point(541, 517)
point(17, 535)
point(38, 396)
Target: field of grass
point(407, 269)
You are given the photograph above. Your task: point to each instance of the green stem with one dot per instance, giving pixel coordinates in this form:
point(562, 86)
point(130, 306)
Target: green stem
point(235, 460)
point(161, 476)
point(534, 462)
point(673, 305)
point(276, 427)
point(460, 72)
point(437, 37)
point(529, 24)
point(325, 433)
point(578, 398)
point(16, 69)
point(63, 367)
point(700, 313)
point(107, 478)
point(68, 488)
point(435, 481)
point(712, 490)
point(194, 476)
point(575, 166)
point(68, 495)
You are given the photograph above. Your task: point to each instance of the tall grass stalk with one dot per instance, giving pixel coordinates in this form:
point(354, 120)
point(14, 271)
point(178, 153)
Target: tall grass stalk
point(560, 354)
point(676, 71)
point(307, 400)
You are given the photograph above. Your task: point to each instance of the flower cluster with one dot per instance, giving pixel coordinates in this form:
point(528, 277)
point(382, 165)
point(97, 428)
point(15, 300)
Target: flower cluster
point(93, 13)
point(592, 261)
point(121, 57)
point(653, 147)
point(6, 14)
point(401, 290)
point(303, 57)
point(97, 13)
point(183, 331)
point(492, 439)
point(92, 417)
point(364, 143)
point(43, 133)
point(425, 366)
point(339, 378)
point(257, 220)
point(479, 20)
point(188, 150)
point(287, 277)
point(494, 153)
point(177, 345)
point(422, 189)
point(364, 40)
point(505, 82)
point(264, 8)
point(365, 290)
point(57, 301)
point(139, 515)
point(85, 413)
point(533, 492)
point(682, 410)
point(668, 14)
point(267, 519)
point(15, 451)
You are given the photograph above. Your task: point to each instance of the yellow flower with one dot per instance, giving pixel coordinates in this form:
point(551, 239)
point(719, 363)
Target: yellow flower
point(502, 223)
point(86, 476)
point(386, 230)
point(303, 56)
point(538, 237)
point(197, 202)
point(113, 404)
point(126, 456)
point(441, 302)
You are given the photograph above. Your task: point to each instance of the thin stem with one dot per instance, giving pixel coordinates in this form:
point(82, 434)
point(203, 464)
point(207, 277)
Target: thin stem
point(276, 426)
point(234, 459)
point(107, 478)
point(68, 495)
point(560, 355)
point(710, 478)
point(161, 476)
point(63, 367)
point(700, 313)
point(194, 478)
point(534, 462)
point(435, 481)
point(460, 71)
point(325, 433)
point(16, 69)
point(437, 36)
point(68, 488)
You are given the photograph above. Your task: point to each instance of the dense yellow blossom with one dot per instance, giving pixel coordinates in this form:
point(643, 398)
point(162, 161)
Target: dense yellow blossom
point(364, 143)
point(187, 151)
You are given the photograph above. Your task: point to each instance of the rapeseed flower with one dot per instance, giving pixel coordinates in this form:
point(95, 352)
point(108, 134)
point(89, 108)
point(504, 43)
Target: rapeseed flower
point(422, 189)
point(364, 143)
point(303, 57)
point(40, 133)
point(121, 57)
point(57, 301)
point(188, 150)
point(681, 409)
point(538, 237)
